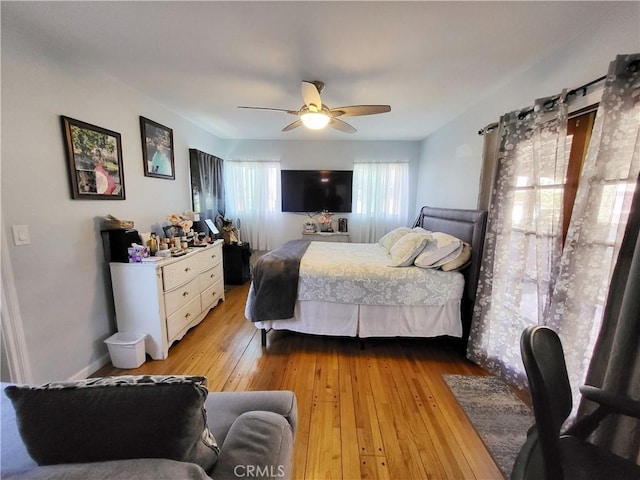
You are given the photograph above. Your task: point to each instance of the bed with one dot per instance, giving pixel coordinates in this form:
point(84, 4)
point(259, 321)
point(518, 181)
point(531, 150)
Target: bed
point(349, 289)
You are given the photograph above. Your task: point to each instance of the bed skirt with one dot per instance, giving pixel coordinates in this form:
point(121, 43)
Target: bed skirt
point(366, 321)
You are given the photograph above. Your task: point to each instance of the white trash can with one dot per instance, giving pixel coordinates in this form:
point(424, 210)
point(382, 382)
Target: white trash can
point(126, 349)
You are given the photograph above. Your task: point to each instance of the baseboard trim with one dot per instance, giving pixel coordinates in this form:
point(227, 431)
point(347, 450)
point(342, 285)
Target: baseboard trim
point(91, 368)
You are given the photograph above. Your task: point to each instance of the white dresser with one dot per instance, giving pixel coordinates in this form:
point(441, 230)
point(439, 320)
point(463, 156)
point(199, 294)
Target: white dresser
point(165, 298)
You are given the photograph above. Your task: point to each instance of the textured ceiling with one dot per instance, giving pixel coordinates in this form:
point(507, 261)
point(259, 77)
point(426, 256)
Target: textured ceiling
point(428, 60)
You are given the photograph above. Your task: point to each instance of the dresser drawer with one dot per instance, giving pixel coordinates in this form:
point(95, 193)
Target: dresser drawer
point(180, 272)
point(210, 277)
point(180, 319)
point(182, 295)
point(210, 258)
point(211, 295)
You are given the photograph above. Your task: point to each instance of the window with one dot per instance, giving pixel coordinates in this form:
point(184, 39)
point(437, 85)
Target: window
point(579, 129)
point(380, 198)
point(381, 189)
point(616, 187)
point(539, 194)
point(251, 186)
point(252, 196)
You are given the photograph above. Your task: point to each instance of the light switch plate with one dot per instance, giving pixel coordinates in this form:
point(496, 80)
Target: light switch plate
point(21, 235)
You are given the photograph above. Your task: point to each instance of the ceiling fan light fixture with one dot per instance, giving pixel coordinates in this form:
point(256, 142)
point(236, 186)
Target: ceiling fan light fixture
point(315, 120)
point(315, 115)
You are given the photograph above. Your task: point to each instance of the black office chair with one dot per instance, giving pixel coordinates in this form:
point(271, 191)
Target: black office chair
point(547, 454)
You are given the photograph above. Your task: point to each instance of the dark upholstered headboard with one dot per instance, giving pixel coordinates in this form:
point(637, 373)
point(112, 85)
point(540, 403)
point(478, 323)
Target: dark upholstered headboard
point(468, 226)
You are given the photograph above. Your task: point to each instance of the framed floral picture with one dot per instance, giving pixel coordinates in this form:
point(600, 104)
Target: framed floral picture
point(94, 158)
point(157, 149)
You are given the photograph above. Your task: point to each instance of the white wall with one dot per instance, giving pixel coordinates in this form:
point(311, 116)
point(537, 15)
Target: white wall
point(330, 155)
point(451, 158)
point(61, 279)
point(62, 282)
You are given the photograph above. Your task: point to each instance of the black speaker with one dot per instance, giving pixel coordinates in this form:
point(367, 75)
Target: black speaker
point(342, 225)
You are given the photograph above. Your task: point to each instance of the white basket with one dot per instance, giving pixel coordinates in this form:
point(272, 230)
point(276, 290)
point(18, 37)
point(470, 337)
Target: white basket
point(126, 349)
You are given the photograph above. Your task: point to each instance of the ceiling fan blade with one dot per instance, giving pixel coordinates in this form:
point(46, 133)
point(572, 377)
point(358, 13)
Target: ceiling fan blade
point(311, 96)
point(293, 125)
point(358, 110)
point(342, 126)
point(292, 112)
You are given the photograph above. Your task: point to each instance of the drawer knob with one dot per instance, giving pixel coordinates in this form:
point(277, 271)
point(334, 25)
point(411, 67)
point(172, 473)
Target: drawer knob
point(187, 315)
point(212, 275)
point(187, 269)
point(184, 294)
point(213, 256)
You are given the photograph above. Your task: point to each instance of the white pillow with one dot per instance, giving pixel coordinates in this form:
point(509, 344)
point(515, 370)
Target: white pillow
point(405, 250)
point(442, 244)
point(420, 230)
point(459, 262)
point(448, 258)
point(389, 238)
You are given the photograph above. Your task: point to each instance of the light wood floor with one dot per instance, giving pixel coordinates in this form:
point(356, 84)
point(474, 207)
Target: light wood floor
point(379, 412)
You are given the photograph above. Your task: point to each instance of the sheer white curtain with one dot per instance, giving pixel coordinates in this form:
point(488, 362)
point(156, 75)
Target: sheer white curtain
point(380, 199)
point(252, 195)
point(523, 243)
point(528, 277)
point(600, 214)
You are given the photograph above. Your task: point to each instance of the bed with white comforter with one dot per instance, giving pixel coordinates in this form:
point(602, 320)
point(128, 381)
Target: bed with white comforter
point(350, 289)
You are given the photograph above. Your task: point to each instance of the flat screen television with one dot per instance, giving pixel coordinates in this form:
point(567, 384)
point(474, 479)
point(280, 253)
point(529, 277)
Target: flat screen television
point(316, 190)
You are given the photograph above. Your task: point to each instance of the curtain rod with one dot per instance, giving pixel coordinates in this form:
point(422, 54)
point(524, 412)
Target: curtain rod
point(574, 91)
point(585, 86)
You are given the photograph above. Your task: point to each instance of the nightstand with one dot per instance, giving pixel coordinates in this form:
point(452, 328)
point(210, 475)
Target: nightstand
point(235, 258)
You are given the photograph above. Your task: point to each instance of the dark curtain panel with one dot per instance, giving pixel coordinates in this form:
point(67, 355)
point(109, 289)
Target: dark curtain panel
point(615, 365)
point(489, 166)
point(207, 187)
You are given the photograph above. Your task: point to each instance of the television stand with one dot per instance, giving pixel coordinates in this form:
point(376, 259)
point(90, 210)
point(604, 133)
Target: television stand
point(326, 236)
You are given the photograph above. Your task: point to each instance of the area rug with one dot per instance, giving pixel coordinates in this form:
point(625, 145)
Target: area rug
point(497, 414)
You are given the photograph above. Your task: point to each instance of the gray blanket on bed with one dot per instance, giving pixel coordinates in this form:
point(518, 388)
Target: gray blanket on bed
point(275, 281)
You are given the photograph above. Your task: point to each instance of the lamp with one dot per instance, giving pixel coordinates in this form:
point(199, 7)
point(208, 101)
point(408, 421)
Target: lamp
point(315, 120)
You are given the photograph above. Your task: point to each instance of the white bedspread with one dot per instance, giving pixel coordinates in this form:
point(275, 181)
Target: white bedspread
point(358, 273)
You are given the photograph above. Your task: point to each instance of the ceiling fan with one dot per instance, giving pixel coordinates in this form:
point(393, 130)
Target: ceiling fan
point(316, 115)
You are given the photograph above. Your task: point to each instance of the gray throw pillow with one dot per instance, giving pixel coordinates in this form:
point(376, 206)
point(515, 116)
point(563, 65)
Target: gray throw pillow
point(116, 418)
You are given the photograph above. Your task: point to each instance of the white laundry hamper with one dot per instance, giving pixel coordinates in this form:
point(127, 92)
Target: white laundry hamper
point(126, 349)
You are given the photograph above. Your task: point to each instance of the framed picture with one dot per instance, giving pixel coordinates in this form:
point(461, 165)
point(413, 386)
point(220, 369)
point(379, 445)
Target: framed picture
point(94, 158)
point(157, 149)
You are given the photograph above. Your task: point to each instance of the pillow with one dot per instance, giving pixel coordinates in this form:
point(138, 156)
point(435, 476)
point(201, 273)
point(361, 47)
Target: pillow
point(405, 250)
point(460, 262)
point(420, 230)
point(116, 418)
point(388, 239)
point(447, 258)
point(442, 244)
